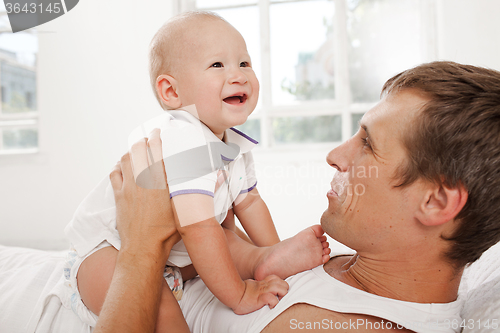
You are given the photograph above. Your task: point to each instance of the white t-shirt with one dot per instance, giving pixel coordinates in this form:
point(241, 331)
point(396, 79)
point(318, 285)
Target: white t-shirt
point(194, 158)
point(205, 313)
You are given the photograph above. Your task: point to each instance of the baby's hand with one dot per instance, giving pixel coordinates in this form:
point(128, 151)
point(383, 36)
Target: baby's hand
point(259, 293)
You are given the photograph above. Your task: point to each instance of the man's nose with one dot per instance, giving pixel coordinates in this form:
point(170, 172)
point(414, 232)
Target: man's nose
point(340, 156)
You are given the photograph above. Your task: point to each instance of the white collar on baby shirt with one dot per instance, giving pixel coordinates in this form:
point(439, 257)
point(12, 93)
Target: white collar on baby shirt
point(236, 136)
point(231, 135)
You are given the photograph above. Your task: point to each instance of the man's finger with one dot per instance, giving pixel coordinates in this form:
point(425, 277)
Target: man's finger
point(154, 146)
point(126, 169)
point(116, 177)
point(138, 155)
point(157, 170)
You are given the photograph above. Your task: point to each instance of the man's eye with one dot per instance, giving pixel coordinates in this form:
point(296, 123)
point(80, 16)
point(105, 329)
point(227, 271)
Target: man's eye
point(217, 65)
point(245, 64)
point(366, 142)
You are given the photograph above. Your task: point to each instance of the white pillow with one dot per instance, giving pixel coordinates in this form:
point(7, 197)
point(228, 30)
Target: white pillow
point(480, 288)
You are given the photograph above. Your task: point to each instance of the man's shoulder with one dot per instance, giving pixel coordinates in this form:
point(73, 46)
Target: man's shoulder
point(308, 317)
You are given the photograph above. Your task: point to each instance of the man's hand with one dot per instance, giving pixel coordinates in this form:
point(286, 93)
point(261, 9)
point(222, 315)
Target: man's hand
point(144, 215)
point(260, 293)
point(147, 229)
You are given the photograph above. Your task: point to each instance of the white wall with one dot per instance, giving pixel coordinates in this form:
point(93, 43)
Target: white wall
point(468, 32)
point(93, 89)
point(293, 183)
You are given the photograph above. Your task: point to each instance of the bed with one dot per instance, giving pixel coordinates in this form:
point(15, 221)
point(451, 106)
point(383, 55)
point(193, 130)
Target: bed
point(32, 281)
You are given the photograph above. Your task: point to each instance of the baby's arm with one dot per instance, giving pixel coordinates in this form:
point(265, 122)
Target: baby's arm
point(306, 250)
point(255, 218)
point(207, 246)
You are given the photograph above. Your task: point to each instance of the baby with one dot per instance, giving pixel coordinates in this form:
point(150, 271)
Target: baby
point(202, 74)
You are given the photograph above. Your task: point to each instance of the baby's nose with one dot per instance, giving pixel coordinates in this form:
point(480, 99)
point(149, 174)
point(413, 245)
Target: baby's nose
point(237, 76)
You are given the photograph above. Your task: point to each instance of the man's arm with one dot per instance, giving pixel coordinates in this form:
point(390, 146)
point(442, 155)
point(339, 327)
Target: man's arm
point(313, 319)
point(133, 298)
point(256, 219)
point(147, 229)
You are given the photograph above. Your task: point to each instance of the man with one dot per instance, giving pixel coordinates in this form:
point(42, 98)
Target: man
point(424, 207)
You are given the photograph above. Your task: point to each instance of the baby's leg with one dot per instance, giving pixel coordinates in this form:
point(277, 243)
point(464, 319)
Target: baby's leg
point(94, 278)
point(304, 251)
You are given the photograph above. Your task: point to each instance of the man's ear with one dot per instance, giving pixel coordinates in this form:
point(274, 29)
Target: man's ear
point(441, 204)
point(166, 87)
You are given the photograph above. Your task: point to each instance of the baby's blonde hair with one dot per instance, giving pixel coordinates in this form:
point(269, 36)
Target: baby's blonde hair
point(166, 43)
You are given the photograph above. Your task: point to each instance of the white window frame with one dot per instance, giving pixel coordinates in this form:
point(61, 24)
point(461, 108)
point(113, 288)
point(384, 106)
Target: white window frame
point(24, 120)
point(342, 104)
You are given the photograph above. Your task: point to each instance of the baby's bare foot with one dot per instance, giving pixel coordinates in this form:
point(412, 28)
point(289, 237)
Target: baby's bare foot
point(301, 252)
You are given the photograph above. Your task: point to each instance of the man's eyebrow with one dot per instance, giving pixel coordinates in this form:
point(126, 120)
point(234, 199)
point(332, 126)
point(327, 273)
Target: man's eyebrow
point(365, 128)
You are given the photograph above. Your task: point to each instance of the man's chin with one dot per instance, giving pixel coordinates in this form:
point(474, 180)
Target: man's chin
point(326, 221)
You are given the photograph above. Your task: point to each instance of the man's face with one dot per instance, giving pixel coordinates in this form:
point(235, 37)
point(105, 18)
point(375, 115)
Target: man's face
point(216, 75)
point(365, 211)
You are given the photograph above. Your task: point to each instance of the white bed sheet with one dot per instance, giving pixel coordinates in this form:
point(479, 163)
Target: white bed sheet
point(31, 280)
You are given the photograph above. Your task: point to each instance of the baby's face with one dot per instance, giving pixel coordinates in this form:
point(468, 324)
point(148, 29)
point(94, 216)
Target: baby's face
point(216, 75)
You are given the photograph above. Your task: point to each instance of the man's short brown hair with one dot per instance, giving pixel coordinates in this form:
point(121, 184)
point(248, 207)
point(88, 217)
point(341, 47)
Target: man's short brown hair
point(456, 140)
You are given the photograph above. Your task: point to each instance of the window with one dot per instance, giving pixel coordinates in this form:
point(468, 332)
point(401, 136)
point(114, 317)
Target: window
point(18, 107)
point(322, 63)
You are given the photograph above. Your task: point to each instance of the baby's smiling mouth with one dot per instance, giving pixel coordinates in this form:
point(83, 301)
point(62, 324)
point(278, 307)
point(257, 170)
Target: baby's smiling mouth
point(236, 99)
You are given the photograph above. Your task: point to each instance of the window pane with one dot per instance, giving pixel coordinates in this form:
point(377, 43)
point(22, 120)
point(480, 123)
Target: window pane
point(307, 129)
point(222, 3)
point(20, 138)
point(246, 21)
point(4, 19)
point(384, 39)
point(356, 117)
point(301, 51)
point(18, 72)
point(251, 128)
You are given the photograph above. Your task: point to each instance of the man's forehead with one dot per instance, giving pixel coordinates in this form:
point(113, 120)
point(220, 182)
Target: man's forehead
point(396, 109)
point(392, 118)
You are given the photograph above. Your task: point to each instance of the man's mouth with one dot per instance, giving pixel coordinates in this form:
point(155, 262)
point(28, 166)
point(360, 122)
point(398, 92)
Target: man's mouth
point(339, 183)
point(333, 188)
point(236, 99)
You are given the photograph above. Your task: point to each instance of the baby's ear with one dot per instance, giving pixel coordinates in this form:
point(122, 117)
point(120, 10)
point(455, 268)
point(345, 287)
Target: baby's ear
point(166, 87)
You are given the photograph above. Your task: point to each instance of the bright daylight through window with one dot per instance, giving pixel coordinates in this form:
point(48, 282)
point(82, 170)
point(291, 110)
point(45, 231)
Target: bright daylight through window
point(18, 108)
point(322, 63)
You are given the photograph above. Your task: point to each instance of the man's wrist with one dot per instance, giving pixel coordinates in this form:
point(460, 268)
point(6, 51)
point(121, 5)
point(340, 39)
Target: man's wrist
point(156, 250)
point(144, 255)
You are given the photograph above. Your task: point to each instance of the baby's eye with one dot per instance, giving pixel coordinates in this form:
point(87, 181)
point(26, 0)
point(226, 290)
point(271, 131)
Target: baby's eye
point(217, 65)
point(245, 64)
